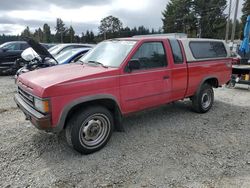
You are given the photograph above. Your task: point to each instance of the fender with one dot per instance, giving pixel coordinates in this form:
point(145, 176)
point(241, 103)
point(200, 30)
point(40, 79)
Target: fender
point(204, 80)
point(66, 110)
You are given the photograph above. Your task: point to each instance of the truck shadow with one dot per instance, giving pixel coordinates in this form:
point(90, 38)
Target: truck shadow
point(177, 116)
point(49, 146)
point(171, 135)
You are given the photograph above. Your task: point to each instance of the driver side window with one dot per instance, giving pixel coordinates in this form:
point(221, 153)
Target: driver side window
point(151, 55)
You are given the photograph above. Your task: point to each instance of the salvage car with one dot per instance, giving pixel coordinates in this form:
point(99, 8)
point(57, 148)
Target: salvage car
point(37, 57)
point(60, 48)
point(48, 45)
point(118, 77)
point(9, 53)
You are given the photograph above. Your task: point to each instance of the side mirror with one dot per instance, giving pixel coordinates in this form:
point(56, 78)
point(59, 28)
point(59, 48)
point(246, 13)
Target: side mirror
point(133, 64)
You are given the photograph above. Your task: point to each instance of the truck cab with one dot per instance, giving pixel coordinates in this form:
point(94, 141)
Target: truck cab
point(118, 77)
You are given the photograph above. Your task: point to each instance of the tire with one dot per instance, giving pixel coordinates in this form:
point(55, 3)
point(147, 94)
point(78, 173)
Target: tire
point(90, 129)
point(203, 100)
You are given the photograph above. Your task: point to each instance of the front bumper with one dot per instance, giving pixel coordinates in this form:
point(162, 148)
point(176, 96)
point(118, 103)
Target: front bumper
point(7, 67)
point(42, 122)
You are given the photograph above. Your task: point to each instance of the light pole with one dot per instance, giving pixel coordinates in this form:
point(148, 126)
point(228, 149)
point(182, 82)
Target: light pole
point(235, 18)
point(228, 20)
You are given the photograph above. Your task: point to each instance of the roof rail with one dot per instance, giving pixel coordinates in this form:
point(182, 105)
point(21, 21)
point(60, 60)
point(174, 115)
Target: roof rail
point(175, 35)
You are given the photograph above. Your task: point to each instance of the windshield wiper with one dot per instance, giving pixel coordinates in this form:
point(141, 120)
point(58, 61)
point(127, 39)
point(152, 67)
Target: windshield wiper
point(98, 63)
point(82, 62)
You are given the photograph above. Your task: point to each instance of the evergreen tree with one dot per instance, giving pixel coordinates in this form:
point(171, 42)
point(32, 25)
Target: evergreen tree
point(92, 37)
point(60, 30)
point(199, 17)
point(126, 32)
point(70, 35)
point(211, 17)
point(38, 35)
point(89, 37)
point(26, 33)
point(245, 13)
point(7, 38)
point(179, 17)
point(46, 33)
point(238, 29)
point(83, 38)
point(134, 31)
point(142, 30)
point(77, 39)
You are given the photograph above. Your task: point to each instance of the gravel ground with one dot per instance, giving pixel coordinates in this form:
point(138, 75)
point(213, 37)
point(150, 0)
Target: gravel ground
point(166, 147)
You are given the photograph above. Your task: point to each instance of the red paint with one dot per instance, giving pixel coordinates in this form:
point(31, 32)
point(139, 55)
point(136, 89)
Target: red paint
point(133, 91)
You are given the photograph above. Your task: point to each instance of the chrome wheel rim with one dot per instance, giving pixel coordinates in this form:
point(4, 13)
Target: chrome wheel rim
point(206, 100)
point(94, 130)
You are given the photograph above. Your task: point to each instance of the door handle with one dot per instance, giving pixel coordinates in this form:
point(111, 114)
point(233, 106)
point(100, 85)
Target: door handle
point(165, 77)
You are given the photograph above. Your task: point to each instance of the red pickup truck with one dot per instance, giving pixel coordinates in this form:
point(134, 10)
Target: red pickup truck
point(120, 76)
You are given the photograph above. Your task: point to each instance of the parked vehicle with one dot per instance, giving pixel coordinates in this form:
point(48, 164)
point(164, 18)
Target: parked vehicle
point(60, 48)
point(37, 57)
point(118, 77)
point(71, 55)
point(9, 53)
point(48, 45)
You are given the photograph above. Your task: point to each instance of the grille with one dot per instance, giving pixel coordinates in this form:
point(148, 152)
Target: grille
point(29, 99)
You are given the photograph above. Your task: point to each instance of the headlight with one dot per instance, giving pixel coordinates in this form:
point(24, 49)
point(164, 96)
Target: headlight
point(42, 105)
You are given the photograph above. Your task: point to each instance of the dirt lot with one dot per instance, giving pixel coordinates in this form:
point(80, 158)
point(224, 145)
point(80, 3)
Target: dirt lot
point(167, 147)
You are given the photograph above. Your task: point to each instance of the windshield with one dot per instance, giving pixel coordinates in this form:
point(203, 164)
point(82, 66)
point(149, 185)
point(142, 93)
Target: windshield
point(10, 46)
point(2, 45)
point(54, 50)
point(109, 53)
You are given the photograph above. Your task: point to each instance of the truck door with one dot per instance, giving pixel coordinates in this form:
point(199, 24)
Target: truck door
point(179, 71)
point(147, 84)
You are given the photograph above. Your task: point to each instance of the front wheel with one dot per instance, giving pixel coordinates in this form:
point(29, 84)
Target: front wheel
point(89, 130)
point(204, 99)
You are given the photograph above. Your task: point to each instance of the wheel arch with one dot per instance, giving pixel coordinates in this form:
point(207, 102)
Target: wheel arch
point(212, 80)
point(196, 98)
point(108, 101)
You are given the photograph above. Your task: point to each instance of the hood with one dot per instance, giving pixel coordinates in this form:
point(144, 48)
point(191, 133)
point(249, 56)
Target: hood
point(39, 49)
point(52, 81)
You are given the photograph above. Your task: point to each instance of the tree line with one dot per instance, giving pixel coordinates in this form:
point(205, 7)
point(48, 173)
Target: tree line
point(199, 18)
point(62, 34)
point(110, 27)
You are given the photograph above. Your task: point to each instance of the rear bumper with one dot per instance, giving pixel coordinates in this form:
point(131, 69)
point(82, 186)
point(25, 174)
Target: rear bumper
point(42, 122)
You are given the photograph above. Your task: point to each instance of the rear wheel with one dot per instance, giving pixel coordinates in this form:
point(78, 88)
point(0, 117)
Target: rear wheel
point(204, 99)
point(89, 130)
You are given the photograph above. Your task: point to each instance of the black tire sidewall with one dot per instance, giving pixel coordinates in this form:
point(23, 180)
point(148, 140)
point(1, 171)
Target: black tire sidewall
point(76, 123)
point(206, 88)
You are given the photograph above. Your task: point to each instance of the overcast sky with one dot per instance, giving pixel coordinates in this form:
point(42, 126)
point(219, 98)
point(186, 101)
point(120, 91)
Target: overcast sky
point(82, 14)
